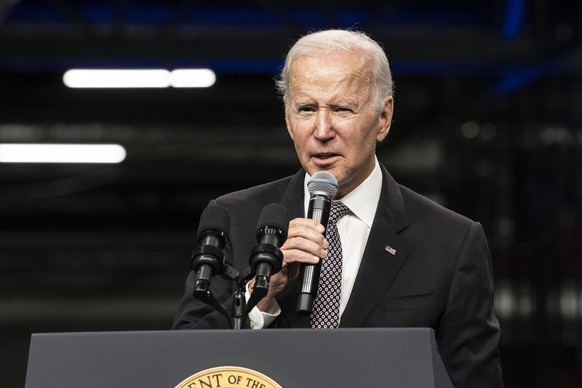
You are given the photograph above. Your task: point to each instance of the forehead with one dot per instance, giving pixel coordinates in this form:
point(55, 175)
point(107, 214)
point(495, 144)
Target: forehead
point(329, 72)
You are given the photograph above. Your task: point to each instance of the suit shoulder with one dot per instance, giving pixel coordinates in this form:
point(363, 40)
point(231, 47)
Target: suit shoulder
point(419, 207)
point(248, 202)
point(435, 228)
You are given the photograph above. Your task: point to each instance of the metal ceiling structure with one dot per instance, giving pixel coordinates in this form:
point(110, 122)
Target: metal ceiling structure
point(487, 49)
point(487, 37)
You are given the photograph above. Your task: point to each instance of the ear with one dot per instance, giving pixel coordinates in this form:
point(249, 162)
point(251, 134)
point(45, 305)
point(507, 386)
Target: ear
point(385, 119)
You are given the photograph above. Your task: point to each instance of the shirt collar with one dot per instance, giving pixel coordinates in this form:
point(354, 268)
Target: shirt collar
point(363, 200)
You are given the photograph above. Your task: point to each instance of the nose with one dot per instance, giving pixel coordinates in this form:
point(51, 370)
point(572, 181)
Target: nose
point(323, 125)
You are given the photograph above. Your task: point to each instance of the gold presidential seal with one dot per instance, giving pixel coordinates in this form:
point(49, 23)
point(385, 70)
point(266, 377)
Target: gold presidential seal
point(228, 377)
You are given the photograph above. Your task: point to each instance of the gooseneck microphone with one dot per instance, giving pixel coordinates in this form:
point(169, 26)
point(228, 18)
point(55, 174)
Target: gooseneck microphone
point(266, 258)
point(322, 188)
point(207, 257)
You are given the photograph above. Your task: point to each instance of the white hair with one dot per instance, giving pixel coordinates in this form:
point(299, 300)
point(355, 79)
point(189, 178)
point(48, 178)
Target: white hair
point(327, 42)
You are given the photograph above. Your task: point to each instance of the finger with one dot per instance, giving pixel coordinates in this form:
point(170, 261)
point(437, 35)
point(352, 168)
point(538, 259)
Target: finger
point(302, 250)
point(303, 233)
point(305, 226)
point(292, 256)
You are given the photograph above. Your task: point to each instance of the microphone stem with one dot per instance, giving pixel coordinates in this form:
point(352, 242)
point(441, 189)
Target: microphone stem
point(239, 307)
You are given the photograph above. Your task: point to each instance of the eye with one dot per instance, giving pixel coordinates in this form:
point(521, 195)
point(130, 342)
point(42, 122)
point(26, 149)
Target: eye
point(305, 109)
point(344, 110)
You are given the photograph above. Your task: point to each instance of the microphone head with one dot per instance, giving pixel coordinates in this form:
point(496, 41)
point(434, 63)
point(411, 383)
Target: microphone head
point(214, 218)
point(323, 183)
point(275, 216)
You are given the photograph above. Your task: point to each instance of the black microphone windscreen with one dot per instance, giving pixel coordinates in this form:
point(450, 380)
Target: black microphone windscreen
point(214, 217)
point(323, 183)
point(274, 215)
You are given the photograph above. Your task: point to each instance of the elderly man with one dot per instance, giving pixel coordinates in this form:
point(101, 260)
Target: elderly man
point(406, 261)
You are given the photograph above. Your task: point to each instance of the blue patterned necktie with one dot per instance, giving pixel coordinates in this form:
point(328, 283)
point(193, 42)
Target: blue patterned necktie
point(325, 314)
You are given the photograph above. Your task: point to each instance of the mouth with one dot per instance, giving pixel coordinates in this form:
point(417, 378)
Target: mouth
point(324, 156)
point(324, 160)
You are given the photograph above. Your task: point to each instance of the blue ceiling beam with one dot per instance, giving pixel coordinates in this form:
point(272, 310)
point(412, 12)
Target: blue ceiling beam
point(249, 66)
point(160, 13)
point(513, 19)
point(568, 62)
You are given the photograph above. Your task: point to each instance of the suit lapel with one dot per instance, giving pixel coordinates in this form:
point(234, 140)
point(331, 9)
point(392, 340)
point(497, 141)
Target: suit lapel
point(383, 257)
point(379, 266)
point(292, 197)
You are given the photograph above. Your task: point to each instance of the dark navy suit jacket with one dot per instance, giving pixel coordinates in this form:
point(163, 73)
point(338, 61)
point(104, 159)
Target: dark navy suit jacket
point(440, 275)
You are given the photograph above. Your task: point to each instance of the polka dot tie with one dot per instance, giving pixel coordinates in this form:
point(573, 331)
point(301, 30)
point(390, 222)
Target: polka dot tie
point(325, 314)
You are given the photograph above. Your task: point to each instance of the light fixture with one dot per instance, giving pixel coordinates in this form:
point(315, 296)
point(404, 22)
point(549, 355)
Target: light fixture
point(192, 78)
point(93, 78)
point(61, 153)
point(139, 78)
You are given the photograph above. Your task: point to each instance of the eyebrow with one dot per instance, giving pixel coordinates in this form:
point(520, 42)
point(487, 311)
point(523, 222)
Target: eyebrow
point(345, 104)
point(303, 103)
point(340, 104)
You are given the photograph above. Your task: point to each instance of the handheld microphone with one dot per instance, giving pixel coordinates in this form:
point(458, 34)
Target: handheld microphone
point(266, 259)
point(207, 257)
point(322, 188)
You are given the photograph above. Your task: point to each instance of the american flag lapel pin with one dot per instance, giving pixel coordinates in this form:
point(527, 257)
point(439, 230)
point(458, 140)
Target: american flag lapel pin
point(390, 250)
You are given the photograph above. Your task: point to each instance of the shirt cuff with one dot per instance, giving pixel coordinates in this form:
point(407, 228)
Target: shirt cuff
point(259, 319)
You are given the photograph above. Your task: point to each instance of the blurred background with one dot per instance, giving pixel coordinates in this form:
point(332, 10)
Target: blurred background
point(487, 122)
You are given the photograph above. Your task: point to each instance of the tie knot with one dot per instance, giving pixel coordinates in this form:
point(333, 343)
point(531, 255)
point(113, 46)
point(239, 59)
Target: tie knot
point(338, 210)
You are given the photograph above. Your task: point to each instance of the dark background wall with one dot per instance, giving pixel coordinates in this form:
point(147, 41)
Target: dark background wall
point(487, 122)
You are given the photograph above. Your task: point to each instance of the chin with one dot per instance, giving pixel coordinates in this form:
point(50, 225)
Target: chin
point(330, 170)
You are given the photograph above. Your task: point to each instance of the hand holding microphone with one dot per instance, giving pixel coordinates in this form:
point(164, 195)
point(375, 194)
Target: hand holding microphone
point(322, 188)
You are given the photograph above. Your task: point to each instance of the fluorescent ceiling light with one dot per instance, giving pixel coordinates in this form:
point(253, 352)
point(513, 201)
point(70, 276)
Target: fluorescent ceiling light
point(140, 78)
point(61, 153)
point(89, 78)
point(192, 78)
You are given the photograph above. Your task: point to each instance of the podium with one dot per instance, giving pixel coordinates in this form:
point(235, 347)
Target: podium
point(375, 357)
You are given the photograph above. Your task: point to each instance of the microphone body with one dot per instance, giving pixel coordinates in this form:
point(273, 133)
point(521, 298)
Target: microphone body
point(322, 188)
point(207, 257)
point(266, 258)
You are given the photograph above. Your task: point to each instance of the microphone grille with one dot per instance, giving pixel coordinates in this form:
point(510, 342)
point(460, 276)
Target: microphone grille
point(323, 182)
point(215, 218)
point(276, 216)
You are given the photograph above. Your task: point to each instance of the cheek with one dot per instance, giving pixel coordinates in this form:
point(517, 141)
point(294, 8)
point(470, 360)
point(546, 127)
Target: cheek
point(300, 144)
point(360, 143)
point(290, 124)
point(299, 132)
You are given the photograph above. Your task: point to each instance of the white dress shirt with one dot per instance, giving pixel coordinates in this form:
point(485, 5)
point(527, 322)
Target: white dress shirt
point(354, 229)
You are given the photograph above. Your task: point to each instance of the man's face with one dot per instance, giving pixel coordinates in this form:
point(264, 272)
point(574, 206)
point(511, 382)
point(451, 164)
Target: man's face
point(332, 119)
